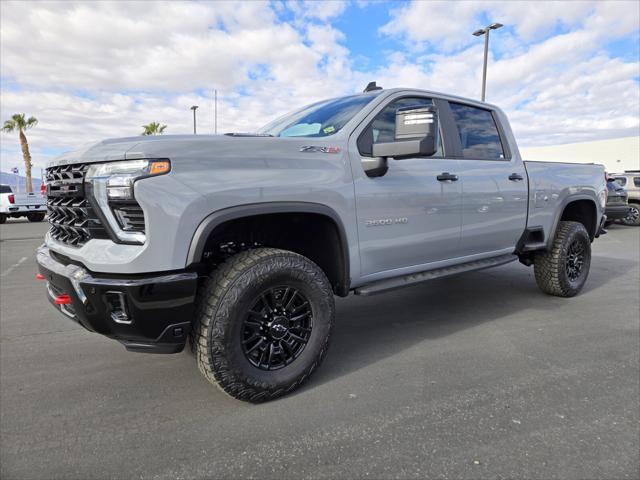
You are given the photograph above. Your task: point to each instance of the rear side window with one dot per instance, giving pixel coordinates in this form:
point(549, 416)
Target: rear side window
point(636, 181)
point(5, 189)
point(478, 133)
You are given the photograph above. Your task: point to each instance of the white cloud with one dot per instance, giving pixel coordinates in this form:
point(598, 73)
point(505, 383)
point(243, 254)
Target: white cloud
point(320, 10)
point(448, 25)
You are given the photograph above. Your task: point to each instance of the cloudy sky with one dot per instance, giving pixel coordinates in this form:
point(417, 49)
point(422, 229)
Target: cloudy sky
point(563, 71)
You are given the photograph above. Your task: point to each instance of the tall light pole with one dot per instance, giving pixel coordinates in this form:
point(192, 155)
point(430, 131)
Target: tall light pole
point(485, 31)
point(215, 112)
point(194, 108)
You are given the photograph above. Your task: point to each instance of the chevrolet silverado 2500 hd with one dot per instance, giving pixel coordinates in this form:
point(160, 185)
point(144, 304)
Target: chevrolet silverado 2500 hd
point(239, 242)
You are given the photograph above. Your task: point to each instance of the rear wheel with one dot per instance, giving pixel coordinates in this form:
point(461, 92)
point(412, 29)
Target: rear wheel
point(563, 269)
point(35, 217)
point(633, 217)
point(263, 323)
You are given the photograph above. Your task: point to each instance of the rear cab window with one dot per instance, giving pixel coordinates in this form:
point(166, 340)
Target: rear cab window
point(5, 189)
point(478, 133)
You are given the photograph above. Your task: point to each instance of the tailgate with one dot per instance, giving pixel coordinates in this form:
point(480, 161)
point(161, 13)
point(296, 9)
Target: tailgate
point(28, 199)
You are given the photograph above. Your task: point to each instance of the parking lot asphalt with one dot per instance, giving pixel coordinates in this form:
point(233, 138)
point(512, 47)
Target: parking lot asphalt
point(475, 376)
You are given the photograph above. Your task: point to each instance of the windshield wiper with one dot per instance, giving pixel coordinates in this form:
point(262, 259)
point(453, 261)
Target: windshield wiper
point(242, 134)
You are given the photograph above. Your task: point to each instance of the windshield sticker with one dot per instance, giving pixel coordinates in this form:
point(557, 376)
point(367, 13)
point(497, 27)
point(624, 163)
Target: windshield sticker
point(329, 129)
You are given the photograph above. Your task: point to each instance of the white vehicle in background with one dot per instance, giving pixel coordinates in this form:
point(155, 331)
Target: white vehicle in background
point(630, 181)
point(30, 205)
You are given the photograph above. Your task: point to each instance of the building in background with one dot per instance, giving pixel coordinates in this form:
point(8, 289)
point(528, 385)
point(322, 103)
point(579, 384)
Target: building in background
point(617, 154)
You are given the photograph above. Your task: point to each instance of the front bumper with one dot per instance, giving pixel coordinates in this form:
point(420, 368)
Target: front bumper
point(617, 212)
point(146, 313)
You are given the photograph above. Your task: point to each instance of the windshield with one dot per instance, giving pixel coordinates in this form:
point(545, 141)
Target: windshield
point(320, 119)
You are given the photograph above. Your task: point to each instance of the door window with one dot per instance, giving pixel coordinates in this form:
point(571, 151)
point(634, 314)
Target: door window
point(383, 128)
point(478, 132)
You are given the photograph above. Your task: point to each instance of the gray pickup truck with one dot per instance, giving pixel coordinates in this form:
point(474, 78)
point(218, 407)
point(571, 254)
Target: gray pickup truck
point(236, 244)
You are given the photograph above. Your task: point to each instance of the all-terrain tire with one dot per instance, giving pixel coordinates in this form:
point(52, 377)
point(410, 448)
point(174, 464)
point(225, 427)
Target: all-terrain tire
point(633, 217)
point(223, 305)
point(555, 268)
point(35, 217)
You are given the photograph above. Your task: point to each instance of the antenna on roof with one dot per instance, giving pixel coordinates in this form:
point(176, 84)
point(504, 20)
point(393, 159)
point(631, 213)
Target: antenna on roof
point(371, 86)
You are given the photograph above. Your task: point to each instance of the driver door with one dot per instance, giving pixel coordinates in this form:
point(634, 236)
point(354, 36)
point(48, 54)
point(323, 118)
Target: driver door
point(407, 218)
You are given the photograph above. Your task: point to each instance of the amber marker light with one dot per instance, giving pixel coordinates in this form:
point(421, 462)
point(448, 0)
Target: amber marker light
point(159, 167)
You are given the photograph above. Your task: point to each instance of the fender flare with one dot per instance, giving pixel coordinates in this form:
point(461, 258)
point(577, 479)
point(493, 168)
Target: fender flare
point(560, 210)
point(213, 220)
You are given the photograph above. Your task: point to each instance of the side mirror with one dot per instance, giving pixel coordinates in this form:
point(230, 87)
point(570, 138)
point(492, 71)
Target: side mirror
point(416, 129)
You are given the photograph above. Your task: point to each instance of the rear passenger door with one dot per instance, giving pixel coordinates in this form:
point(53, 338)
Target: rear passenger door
point(494, 184)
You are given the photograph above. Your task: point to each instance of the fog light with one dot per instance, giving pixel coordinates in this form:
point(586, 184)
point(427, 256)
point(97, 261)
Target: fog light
point(117, 303)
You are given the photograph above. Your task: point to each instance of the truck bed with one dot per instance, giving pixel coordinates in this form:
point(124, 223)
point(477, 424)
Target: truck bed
point(552, 183)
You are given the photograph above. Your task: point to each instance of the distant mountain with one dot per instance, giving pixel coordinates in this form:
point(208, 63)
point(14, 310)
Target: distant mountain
point(10, 179)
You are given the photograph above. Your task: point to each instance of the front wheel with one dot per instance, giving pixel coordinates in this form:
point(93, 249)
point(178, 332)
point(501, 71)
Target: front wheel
point(563, 269)
point(263, 323)
point(633, 216)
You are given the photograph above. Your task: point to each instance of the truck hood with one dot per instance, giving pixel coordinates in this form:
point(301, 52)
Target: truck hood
point(215, 146)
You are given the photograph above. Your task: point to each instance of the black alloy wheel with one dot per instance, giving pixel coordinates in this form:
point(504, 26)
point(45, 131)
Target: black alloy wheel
point(575, 260)
point(277, 328)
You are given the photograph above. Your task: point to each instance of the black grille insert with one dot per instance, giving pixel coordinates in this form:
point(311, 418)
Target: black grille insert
point(72, 218)
point(130, 217)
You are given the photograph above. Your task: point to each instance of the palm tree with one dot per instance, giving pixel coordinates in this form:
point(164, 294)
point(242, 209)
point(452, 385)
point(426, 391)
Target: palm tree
point(19, 123)
point(154, 128)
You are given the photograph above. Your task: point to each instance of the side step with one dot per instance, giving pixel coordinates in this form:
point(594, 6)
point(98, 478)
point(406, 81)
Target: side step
point(412, 279)
point(533, 247)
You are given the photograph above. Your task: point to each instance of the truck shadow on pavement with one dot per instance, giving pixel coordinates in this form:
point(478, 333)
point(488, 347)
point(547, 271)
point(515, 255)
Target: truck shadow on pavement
point(370, 329)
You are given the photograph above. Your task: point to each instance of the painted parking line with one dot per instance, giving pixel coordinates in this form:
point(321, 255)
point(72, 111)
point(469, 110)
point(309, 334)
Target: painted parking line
point(13, 267)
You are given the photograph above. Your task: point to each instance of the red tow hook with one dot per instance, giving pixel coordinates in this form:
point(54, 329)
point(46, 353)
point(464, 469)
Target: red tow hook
point(39, 276)
point(63, 299)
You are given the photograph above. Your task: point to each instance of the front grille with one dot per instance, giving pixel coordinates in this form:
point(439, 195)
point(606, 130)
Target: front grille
point(73, 220)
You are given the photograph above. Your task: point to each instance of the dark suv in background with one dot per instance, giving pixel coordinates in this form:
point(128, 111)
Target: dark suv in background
point(617, 207)
point(630, 181)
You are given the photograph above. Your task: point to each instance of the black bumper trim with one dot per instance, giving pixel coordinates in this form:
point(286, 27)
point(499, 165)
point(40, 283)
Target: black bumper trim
point(617, 212)
point(160, 306)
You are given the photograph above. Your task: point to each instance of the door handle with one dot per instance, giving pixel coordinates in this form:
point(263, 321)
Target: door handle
point(444, 176)
point(515, 177)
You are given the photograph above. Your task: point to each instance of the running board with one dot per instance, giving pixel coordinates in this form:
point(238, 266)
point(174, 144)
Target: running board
point(414, 278)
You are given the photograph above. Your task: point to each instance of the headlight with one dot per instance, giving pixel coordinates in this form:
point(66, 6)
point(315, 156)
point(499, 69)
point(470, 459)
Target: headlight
point(112, 189)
